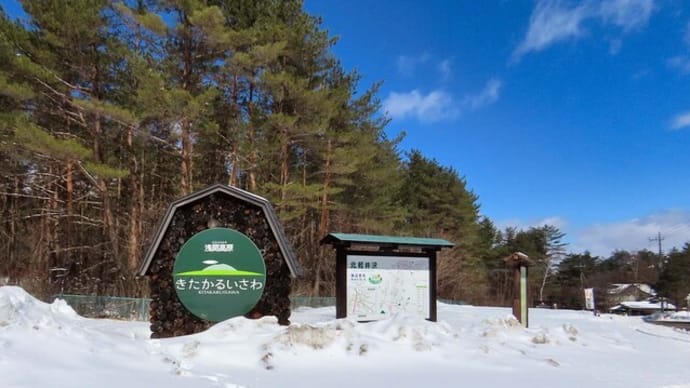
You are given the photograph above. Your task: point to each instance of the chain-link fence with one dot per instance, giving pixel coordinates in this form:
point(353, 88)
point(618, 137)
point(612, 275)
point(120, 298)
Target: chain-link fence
point(137, 309)
point(114, 307)
point(311, 301)
point(455, 302)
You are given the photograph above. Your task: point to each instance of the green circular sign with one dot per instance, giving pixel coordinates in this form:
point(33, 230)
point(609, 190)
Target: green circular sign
point(219, 273)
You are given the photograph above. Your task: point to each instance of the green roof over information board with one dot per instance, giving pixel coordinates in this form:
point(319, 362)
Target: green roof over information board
point(388, 241)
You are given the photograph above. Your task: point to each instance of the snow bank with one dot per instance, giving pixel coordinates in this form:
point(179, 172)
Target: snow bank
point(679, 316)
point(470, 346)
point(17, 307)
point(669, 316)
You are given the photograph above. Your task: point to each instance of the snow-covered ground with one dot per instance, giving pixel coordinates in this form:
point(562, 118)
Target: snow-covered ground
point(677, 316)
point(48, 345)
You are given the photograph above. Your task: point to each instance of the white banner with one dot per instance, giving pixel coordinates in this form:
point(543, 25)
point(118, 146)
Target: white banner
point(589, 298)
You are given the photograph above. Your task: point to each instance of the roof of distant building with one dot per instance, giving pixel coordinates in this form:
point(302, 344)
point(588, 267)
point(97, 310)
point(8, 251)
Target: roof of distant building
point(617, 288)
point(643, 305)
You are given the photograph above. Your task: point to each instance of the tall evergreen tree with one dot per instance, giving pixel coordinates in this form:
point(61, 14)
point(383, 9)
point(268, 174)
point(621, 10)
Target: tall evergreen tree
point(573, 276)
point(674, 281)
point(438, 204)
point(16, 95)
point(66, 55)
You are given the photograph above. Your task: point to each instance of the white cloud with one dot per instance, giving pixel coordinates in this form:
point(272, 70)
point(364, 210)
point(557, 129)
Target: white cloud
point(627, 14)
point(487, 96)
point(407, 64)
point(681, 121)
point(557, 221)
point(510, 223)
point(438, 105)
point(615, 46)
point(549, 23)
point(553, 21)
point(680, 62)
point(633, 235)
point(445, 69)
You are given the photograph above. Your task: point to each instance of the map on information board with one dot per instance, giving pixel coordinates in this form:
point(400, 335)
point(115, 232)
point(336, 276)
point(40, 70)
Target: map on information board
point(379, 287)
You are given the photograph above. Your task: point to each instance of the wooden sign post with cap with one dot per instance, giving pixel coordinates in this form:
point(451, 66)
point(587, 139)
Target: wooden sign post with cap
point(519, 262)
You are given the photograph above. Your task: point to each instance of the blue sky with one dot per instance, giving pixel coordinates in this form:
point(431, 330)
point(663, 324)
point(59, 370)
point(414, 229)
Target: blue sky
point(575, 114)
point(571, 113)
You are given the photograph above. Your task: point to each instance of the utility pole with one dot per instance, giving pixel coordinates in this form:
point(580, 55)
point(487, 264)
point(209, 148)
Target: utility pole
point(582, 282)
point(659, 239)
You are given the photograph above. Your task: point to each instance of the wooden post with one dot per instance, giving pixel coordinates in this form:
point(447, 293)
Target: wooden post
point(432, 285)
point(340, 282)
point(519, 262)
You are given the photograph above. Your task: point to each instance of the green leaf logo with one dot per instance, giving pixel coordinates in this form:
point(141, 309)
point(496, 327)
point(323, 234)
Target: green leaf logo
point(375, 279)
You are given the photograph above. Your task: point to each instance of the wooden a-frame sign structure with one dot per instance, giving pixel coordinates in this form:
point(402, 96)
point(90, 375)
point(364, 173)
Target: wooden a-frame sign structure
point(235, 211)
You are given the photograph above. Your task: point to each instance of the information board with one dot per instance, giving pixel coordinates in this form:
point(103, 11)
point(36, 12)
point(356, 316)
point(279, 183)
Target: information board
point(379, 287)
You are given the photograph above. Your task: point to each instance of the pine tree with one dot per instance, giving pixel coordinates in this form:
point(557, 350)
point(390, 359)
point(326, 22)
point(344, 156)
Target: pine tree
point(438, 204)
point(674, 281)
point(15, 96)
point(75, 61)
point(573, 276)
point(371, 201)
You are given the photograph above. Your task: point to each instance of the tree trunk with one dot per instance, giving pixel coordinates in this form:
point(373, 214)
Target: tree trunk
point(186, 164)
point(109, 228)
point(12, 246)
point(547, 272)
point(234, 170)
point(135, 206)
point(185, 123)
point(69, 205)
point(234, 147)
point(284, 165)
point(251, 140)
point(324, 218)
